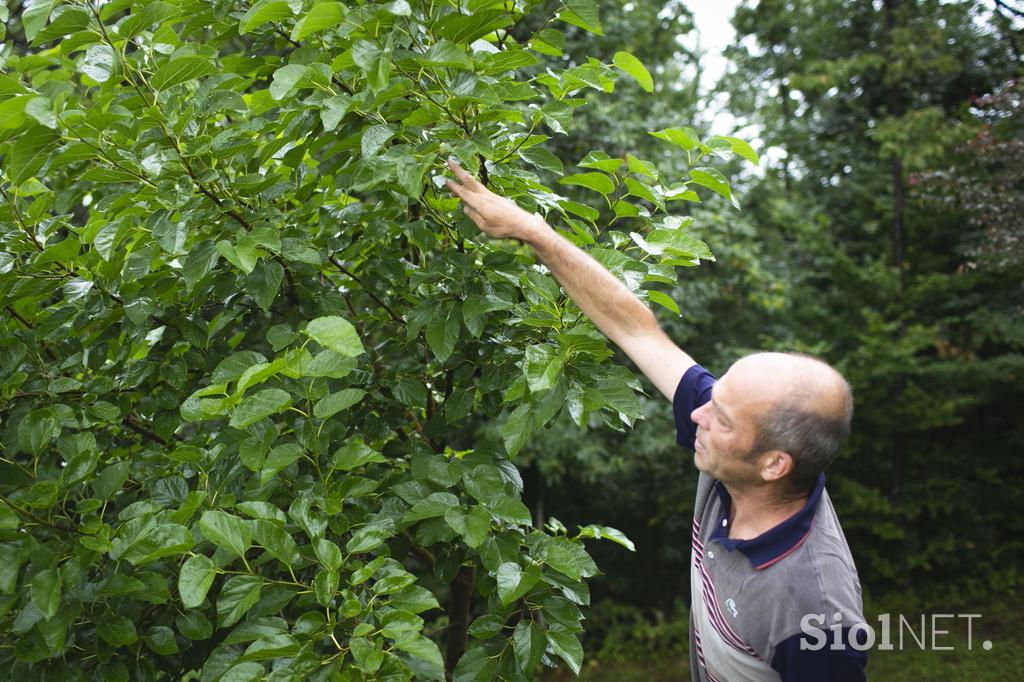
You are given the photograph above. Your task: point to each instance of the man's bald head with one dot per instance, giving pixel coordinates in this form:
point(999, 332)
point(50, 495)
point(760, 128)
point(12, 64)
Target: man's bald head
point(808, 412)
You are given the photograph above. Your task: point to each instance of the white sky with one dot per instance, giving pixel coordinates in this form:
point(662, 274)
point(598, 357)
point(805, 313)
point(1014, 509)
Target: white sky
point(714, 25)
point(714, 33)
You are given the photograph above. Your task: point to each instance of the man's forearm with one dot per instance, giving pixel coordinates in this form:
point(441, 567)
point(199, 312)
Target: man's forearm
point(609, 303)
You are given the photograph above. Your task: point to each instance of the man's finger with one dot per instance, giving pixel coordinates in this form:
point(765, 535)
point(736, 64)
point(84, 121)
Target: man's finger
point(466, 179)
point(468, 198)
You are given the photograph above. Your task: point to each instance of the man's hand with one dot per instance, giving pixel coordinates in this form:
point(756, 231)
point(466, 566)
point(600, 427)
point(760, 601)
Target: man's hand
point(493, 214)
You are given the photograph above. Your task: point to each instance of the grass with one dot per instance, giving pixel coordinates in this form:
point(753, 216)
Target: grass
point(1001, 623)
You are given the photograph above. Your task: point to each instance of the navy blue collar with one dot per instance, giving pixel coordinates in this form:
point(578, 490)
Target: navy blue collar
point(772, 545)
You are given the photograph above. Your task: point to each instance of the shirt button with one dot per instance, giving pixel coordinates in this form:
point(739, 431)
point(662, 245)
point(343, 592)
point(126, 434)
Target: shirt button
point(711, 555)
point(725, 522)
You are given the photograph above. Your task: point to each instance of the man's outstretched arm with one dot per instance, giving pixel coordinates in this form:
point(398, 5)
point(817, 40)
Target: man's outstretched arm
point(609, 304)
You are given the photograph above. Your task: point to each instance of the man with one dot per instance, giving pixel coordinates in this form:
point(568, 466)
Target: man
point(768, 555)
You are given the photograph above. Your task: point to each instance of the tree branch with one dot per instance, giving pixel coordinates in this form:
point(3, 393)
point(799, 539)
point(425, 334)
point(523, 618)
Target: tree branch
point(26, 513)
point(369, 292)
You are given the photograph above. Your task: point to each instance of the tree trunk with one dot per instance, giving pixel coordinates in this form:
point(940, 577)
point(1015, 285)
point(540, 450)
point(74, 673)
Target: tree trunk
point(459, 603)
point(786, 115)
point(894, 104)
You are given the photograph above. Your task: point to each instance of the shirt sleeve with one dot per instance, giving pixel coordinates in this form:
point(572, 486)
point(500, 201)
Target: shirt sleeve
point(693, 391)
point(821, 662)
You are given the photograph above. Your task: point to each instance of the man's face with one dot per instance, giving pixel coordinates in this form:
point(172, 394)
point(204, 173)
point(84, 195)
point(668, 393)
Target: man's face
point(727, 426)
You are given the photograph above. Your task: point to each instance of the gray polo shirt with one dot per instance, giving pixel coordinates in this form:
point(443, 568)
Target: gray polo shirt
point(750, 596)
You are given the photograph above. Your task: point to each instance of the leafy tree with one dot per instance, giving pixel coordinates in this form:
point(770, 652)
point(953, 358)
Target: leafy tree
point(246, 343)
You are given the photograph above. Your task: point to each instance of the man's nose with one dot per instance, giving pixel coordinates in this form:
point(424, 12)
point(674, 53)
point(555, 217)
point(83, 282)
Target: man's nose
point(697, 416)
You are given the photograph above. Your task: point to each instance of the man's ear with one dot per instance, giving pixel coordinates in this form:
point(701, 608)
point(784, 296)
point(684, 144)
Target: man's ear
point(776, 465)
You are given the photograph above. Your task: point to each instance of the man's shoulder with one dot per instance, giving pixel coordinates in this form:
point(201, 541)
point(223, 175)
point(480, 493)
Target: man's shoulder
point(821, 575)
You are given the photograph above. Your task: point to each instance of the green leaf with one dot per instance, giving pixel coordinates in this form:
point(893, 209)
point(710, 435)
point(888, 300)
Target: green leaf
point(415, 599)
point(487, 626)
point(41, 109)
point(279, 458)
point(46, 592)
point(335, 333)
point(475, 665)
point(443, 333)
point(445, 53)
point(9, 519)
point(263, 283)
point(542, 158)
point(329, 364)
point(582, 13)
point(375, 63)
point(286, 78)
point(271, 646)
point(194, 625)
point(432, 506)
point(155, 12)
point(165, 539)
point(466, 28)
point(181, 70)
point(607, 533)
point(262, 13)
point(635, 68)
point(563, 560)
point(321, 16)
point(739, 147)
point(641, 167)
point(510, 509)
point(517, 429)
point(529, 644)
point(397, 624)
point(685, 138)
point(567, 646)
point(239, 594)
point(370, 537)
point(599, 182)
point(374, 139)
point(248, 671)
point(195, 579)
point(29, 153)
point(514, 582)
point(198, 262)
point(117, 630)
point(259, 405)
point(162, 641)
point(72, 20)
point(473, 525)
point(663, 300)
point(601, 161)
point(34, 18)
point(242, 255)
point(333, 111)
point(715, 181)
point(330, 405)
point(98, 63)
point(368, 655)
point(226, 530)
point(543, 367)
point(328, 553)
point(278, 542)
point(424, 649)
point(61, 252)
point(12, 111)
point(325, 585)
point(355, 454)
